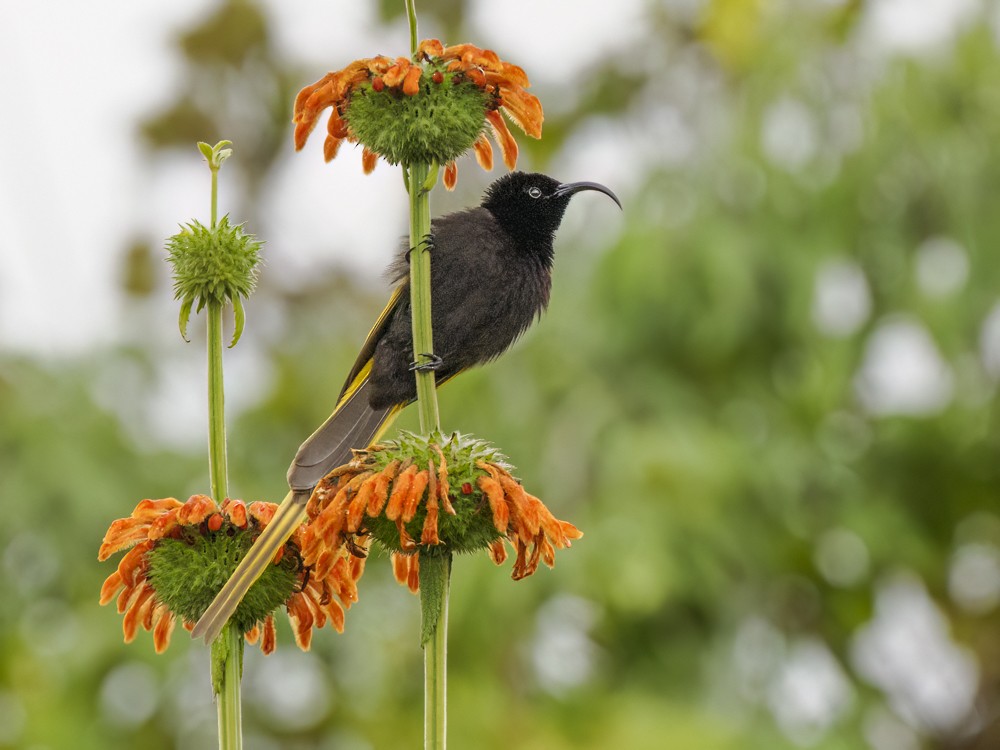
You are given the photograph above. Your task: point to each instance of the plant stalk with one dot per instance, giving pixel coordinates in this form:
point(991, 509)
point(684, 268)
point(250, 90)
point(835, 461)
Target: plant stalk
point(420, 295)
point(216, 406)
point(411, 14)
point(227, 649)
point(435, 571)
point(435, 574)
point(227, 668)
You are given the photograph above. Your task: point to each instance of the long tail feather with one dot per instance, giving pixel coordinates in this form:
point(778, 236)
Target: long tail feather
point(354, 424)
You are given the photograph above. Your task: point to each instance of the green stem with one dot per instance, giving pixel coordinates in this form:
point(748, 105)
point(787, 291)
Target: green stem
point(227, 649)
point(435, 574)
point(215, 191)
point(227, 670)
point(216, 406)
point(420, 295)
point(435, 570)
point(411, 14)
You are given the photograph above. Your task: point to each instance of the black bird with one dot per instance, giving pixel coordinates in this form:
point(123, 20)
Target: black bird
point(491, 271)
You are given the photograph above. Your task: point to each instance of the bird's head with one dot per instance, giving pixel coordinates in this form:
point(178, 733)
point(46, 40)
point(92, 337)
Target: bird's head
point(530, 205)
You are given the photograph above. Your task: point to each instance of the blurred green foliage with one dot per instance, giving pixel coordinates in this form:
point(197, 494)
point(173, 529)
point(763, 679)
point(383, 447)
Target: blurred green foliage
point(752, 489)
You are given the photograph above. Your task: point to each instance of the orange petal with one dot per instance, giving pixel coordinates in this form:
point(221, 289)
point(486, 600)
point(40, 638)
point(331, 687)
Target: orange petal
point(400, 567)
point(357, 569)
point(450, 175)
point(302, 131)
point(520, 564)
point(270, 639)
point(380, 492)
point(514, 74)
point(163, 626)
point(380, 64)
point(123, 532)
point(135, 610)
point(149, 510)
point(415, 495)
point(570, 531)
point(442, 482)
point(411, 83)
point(470, 54)
point(196, 510)
point(430, 48)
point(302, 620)
point(358, 506)
point(548, 552)
point(406, 542)
point(498, 504)
point(336, 127)
point(400, 491)
point(429, 534)
point(476, 76)
point(326, 538)
point(253, 634)
point(524, 109)
point(498, 552)
point(484, 152)
point(536, 550)
point(237, 512)
point(109, 590)
point(132, 567)
point(262, 512)
point(395, 75)
point(368, 160)
point(163, 525)
point(413, 579)
point(336, 614)
point(506, 142)
point(330, 148)
point(531, 514)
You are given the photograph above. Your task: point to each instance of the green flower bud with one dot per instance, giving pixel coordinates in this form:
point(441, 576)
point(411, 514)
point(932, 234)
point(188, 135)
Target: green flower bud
point(213, 266)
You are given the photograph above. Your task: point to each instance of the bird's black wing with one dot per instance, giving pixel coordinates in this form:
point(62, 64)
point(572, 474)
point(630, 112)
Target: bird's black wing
point(354, 423)
point(363, 363)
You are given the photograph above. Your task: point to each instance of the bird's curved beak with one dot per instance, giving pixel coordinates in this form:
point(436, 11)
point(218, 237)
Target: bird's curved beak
point(570, 188)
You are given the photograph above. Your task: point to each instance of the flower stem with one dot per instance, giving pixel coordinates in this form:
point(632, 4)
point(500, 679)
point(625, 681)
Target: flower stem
point(227, 670)
point(216, 406)
point(411, 14)
point(227, 649)
point(435, 573)
point(435, 570)
point(420, 295)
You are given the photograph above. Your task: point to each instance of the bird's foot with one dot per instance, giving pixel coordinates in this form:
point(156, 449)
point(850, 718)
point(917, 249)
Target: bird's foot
point(433, 362)
point(426, 244)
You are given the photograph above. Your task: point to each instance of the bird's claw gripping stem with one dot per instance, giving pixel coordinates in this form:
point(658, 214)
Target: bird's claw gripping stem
point(433, 362)
point(426, 244)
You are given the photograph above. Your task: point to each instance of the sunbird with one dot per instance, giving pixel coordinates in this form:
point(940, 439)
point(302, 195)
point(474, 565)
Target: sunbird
point(491, 273)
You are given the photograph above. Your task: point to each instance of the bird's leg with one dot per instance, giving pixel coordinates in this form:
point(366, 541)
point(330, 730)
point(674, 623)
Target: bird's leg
point(434, 362)
point(426, 244)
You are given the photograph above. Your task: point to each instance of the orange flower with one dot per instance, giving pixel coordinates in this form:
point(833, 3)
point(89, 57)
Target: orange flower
point(153, 589)
point(500, 87)
point(417, 496)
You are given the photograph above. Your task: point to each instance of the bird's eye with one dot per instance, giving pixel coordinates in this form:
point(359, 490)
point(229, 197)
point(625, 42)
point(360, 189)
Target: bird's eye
point(535, 192)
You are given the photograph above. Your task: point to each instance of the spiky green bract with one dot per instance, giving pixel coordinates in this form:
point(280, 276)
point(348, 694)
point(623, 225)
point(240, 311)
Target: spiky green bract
point(188, 572)
point(471, 528)
point(434, 126)
point(213, 266)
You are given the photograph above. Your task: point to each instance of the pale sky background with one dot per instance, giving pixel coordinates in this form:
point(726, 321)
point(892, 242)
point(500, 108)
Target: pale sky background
point(76, 77)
